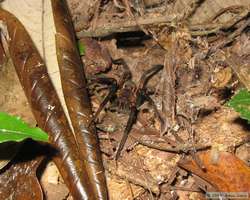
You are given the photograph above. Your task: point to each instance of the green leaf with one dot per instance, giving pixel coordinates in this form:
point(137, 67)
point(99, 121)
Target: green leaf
point(81, 48)
point(241, 103)
point(14, 129)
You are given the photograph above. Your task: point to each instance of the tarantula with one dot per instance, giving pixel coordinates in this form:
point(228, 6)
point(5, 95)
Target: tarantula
point(127, 93)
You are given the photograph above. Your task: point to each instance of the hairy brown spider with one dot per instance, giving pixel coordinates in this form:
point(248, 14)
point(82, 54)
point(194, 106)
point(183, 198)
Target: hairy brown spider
point(128, 95)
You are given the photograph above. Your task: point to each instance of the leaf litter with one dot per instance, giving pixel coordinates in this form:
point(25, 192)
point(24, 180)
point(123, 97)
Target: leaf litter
point(200, 77)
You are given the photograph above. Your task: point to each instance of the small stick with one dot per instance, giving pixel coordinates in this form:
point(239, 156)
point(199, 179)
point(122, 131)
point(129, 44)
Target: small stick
point(123, 26)
point(184, 189)
point(128, 25)
point(178, 149)
point(229, 39)
point(205, 29)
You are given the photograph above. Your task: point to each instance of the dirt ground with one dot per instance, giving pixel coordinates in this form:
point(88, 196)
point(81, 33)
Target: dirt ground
point(202, 70)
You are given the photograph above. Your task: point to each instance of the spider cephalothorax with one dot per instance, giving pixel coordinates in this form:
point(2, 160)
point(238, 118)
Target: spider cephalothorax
point(128, 95)
point(124, 97)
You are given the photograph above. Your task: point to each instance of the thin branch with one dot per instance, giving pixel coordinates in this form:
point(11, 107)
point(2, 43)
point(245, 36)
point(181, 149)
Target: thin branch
point(123, 26)
point(182, 148)
point(127, 25)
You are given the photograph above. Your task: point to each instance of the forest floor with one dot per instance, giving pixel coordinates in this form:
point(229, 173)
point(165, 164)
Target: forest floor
point(199, 144)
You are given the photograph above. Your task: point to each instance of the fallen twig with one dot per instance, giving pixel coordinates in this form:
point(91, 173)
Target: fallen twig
point(131, 24)
point(180, 148)
point(229, 38)
point(205, 29)
point(123, 26)
point(184, 189)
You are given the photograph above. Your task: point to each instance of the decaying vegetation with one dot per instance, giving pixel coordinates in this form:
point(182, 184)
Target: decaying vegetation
point(167, 135)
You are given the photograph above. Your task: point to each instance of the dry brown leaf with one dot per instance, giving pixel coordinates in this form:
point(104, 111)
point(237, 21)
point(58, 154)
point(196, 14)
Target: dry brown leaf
point(12, 101)
point(131, 171)
point(97, 58)
point(122, 189)
point(226, 172)
point(19, 180)
point(3, 58)
point(223, 129)
point(52, 183)
point(222, 77)
point(241, 68)
point(7, 151)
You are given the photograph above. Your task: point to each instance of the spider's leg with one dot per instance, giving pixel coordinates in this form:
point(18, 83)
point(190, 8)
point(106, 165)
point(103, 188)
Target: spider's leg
point(126, 74)
point(142, 89)
point(114, 85)
point(152, 103)
point(130, 123)
point(118, 5)
point(131, 120)
point(140, 94)
point(148, 74)
point(119, 61)
point(113, 88)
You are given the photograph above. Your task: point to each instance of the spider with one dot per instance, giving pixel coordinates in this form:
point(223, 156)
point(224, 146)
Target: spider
point(128, 95)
